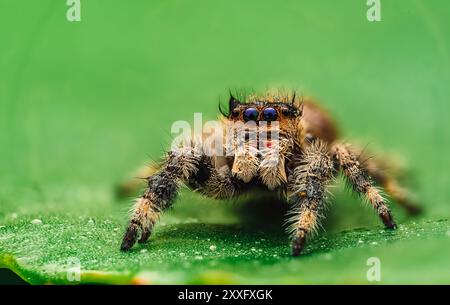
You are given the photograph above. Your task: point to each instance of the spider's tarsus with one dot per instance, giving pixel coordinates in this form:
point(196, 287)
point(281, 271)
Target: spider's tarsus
point(145, 236)
point(388, 221)
point(130, 237)
point(297, 245)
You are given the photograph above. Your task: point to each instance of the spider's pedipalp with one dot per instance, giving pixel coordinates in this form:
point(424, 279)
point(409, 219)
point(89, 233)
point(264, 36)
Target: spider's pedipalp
point(246, 163)
point(272, 168)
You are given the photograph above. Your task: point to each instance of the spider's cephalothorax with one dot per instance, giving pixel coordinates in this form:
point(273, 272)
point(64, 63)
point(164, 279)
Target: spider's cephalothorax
point(294, 151)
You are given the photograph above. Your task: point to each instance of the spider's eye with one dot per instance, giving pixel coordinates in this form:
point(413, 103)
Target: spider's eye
point(251, 114)
point(235, 113)
point(286, 112)
point(270, 114)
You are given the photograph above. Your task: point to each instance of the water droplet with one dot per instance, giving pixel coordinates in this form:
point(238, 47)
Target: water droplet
point(213, 248)
point(36, 222)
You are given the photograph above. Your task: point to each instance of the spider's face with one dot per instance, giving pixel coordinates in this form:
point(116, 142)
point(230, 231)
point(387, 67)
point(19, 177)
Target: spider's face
point(263, 110)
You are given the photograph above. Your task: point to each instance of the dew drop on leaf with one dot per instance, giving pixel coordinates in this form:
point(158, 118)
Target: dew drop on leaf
point(36, 222)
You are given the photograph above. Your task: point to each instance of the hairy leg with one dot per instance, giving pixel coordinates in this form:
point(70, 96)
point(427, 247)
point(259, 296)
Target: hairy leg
point(391, 185)
point(307, 192)
point(160, 194)
point(221, 184)
point(361, 182)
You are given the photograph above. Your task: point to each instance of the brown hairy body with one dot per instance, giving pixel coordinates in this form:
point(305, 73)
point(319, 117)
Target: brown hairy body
point(301, 164)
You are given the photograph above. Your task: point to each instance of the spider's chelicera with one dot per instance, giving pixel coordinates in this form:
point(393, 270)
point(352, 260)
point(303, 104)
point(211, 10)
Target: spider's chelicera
point(280, 143)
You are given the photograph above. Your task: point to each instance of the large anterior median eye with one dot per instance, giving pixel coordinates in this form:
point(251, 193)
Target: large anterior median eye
point(270, 114)
point(251, 114)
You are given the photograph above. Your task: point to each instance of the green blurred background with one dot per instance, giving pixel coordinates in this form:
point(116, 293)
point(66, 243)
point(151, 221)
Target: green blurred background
point(84, 103)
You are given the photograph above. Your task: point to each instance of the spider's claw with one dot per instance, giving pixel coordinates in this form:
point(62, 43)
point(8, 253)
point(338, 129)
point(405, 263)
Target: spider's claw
point(391, 225)
point(144, 236)
point(130, 237)
point(297, 245)
point(387, 219)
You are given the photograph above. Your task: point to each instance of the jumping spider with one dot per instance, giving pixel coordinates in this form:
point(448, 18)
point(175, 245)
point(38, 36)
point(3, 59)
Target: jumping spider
point(308, 157)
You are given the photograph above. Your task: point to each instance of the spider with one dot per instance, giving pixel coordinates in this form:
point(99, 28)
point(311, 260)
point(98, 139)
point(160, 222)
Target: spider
point(300, 163)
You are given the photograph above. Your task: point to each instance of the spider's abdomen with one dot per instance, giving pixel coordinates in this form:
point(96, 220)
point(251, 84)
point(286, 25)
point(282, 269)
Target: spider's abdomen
point(316, 122)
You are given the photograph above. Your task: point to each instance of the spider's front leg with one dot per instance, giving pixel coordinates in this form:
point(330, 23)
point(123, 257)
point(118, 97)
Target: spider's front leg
point(361, 182)
point(160, 194)
point(307, 192)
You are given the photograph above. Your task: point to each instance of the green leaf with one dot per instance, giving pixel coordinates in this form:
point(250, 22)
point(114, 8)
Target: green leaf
point(200, 248)
point(83, 103)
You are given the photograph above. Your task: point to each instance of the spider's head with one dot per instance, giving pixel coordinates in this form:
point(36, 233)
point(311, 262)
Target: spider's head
point(268, 108)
